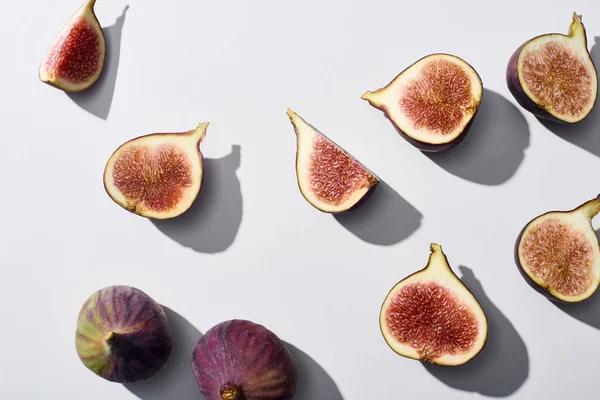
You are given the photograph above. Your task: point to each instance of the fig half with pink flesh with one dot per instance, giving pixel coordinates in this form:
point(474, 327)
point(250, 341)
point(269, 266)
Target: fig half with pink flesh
point(329, 177)
point(75, 60)
point(433, 102)
point(158, 175)
point(243, 360)
point(433, 317)
point(558, 253)
point(553, 76)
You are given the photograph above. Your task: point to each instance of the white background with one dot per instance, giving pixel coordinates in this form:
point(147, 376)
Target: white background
point(252, 247)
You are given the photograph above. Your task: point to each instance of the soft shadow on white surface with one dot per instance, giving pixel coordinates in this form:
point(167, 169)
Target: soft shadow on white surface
point(494, 147)
point(313, 381)
point(175, 380)
point(502, 366)
point(97, 99)
point(585, 134)
point(213, 221)
point(385, 218)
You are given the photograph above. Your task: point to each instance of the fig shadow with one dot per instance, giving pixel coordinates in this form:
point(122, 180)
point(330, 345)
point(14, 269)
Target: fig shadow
point(385, 218)
point(587, 311)
point(213, 221)
point(502, 367)
point(97, 99)
point(175, 380)
point(313, 380)
point(584, 134)
point(494, 147)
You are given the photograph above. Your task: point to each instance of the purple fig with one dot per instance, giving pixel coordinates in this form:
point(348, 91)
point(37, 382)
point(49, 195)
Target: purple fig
point(241, 360)
point(553, 76)
point(122, 335)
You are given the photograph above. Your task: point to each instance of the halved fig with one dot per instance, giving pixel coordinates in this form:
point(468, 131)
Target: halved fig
point(75, 60)
point(433, 317)
point(158, 175)
point(558, 253)
point(433, 102)
point(329, 178)
point(553, 76)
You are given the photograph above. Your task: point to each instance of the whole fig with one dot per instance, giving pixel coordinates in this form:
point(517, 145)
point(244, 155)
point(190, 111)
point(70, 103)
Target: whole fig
point(242, 360)
point(122, 334)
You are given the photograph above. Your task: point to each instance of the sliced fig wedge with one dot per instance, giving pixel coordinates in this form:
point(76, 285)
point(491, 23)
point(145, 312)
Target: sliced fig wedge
point(433, 102)
point(433, 317)
point(558, 253)
point(75, 60)
point(329, 177)
point(158, 175)
point(553, 76)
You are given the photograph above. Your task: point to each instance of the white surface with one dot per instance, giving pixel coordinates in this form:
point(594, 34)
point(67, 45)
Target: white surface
point(255, 249)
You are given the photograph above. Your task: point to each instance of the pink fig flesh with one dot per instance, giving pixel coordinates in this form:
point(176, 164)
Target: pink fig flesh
point(75, 60)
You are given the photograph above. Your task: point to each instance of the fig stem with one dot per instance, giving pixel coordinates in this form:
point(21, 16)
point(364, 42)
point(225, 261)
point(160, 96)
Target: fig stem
point(230, 392)
point(591, 208)
point(90, 3)
point(200, 131)
point(576, 28)
point(110, 337)
point(436, 254)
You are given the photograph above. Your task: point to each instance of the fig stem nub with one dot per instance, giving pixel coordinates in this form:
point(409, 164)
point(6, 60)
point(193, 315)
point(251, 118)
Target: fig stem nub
point(437, 258)
point(591, 208)
point(90, 4)
point(372, 98)
point(110, 337)
point(200, 131)
point(230, 392)
point(576, 28)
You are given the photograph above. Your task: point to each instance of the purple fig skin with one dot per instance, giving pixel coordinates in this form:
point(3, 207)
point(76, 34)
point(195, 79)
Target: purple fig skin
point(515, 88)
point(122, 334)
point(242, 360)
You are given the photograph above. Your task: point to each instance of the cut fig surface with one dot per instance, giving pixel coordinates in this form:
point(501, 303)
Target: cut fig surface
point(553, 76)
point(432, 316)
point(558, 253)
point(75, 60)
point(157, 175)
point(431, 103)
point(330, 178)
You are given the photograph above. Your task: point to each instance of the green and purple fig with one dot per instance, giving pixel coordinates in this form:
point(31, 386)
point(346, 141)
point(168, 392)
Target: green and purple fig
point(123, 335)
point(553, 75)
point(242, 360)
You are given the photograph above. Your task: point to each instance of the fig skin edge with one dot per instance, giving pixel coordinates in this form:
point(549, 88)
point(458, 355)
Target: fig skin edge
point(484, 321)
point(515, 88)
point(86, 11)
point(524, 274)
point(372, 184)
point(203, 126)
point(425, 146)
